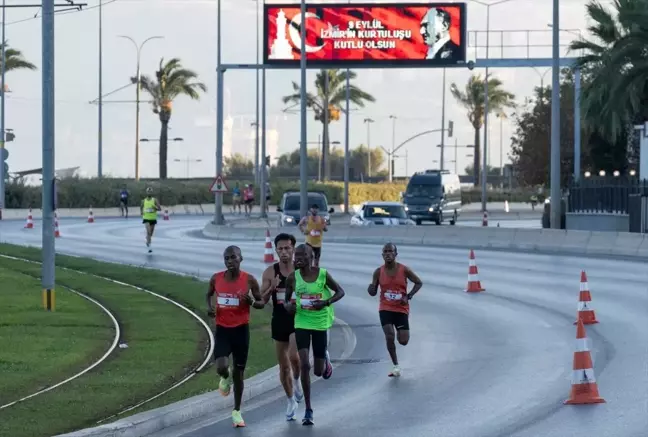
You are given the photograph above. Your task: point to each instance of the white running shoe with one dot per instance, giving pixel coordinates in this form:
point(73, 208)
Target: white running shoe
point(396, 371)
point(297, 390)
point(291, 409)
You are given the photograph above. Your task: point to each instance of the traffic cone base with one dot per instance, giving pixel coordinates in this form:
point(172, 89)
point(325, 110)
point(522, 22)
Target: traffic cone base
point(474, 284)
point(584, 389)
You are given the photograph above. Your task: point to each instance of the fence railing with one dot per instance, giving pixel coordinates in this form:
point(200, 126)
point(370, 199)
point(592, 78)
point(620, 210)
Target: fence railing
point(606, 195)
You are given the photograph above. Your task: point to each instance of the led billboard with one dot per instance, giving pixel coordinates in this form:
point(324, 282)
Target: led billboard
point(403, 34)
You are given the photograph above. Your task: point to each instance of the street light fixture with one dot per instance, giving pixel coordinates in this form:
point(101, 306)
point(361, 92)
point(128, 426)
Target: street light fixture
point(138, 48)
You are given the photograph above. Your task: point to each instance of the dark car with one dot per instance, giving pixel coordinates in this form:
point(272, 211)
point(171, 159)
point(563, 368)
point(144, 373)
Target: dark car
point(433, 195)
point(291, 204)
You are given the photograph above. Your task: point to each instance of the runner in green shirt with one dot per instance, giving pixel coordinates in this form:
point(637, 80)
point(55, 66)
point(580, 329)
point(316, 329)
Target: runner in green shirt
point(315, 291)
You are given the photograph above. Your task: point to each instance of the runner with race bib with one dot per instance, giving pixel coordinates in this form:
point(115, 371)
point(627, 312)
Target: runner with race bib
point(312, 226)
point(315, 292)
point(232, 290)
point(394, 300)
point(283, 323)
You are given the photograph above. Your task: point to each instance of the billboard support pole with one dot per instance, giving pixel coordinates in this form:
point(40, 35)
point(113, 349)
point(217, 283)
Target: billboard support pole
point(256, 120)
point(346, 143)
point(218, 200)
point(443, 108)
point(303, 150)
point(554, 179)
point(484, 170)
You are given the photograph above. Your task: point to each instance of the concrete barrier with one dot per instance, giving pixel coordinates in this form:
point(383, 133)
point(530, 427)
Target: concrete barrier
point(613, 244)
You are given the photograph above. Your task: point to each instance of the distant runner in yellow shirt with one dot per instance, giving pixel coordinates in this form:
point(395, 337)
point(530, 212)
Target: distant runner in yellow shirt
point(149, 210)
point(312, 226)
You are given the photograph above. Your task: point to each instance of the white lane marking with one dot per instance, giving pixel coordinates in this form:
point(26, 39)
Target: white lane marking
point(87, 369)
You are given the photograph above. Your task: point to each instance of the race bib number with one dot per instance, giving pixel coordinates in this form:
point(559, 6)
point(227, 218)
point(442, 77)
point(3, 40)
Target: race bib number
point(315, 233)
point(227, 301)
point(281, 301)
point(150, 210)
point(307, 300)
point(393, 296)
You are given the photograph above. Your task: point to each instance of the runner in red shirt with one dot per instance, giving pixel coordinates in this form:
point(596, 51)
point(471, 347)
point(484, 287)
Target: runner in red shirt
point(232, 315)
point(394, 300)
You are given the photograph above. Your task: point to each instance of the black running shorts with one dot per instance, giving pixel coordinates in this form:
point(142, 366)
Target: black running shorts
point(399, 320)
point(320, 341)
point(151, 222)
point(235, 341)
point(317, 251)
point(282, 327)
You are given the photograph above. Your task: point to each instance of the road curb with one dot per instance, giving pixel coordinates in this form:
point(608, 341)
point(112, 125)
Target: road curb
point(148, 422)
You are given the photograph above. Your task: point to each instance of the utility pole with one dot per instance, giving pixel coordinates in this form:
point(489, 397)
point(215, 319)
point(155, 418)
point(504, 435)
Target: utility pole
point(3, 154)
point(100, 112)
point(443, 107)
point(391, 153)
point(218, 197)
point(368, 122)
point(48, 135)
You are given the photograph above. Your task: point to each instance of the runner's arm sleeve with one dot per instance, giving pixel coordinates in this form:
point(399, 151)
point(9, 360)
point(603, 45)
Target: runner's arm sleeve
point(415, 279)
point(338, 292)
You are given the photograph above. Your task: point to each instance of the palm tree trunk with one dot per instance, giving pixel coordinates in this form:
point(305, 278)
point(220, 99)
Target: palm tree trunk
point(164, 143)
point(477, 155)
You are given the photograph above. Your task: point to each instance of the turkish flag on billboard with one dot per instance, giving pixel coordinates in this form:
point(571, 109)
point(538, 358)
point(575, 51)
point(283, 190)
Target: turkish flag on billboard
point(342, 34)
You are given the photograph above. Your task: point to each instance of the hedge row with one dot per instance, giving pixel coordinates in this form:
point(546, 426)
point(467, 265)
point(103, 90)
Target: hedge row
point(82, 193)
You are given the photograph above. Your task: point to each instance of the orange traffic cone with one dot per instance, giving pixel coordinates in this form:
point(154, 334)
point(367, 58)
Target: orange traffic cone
point(57, 232)
point(584, 388)
point(474, 285)
point(90, 216)
point(166, 215)
point(268, 256)
point(585, 312)
point(30, 220)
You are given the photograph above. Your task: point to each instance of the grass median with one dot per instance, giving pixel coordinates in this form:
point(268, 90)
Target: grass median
point(164, 344)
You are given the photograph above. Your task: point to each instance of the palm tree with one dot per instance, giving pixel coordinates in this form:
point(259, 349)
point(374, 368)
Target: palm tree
point(330, 91)
point(16, 60)
point(171, 81)
point(472, 98)
point(614, 62)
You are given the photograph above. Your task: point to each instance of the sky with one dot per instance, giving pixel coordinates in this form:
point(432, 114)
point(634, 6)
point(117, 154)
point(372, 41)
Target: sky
point(414, 96)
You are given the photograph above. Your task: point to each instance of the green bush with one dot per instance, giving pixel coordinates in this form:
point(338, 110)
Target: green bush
point(104, 193)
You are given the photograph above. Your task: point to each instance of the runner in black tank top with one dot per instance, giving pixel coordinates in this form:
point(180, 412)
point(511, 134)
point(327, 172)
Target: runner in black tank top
point(283, 323)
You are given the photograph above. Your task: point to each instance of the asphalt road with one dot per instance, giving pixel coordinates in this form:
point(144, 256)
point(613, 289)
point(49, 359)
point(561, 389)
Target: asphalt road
point(487, 365)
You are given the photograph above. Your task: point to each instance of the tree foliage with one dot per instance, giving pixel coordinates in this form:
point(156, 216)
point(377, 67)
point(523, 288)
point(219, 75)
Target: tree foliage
point(472, 99)
point(615, 60)
point(329, 93)
point(531, 142)
point(171, 81)
point(287, 165)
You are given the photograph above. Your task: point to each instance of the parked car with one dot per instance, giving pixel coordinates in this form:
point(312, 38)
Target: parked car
point(433, 195)
point(381, 214)
point(290, 207)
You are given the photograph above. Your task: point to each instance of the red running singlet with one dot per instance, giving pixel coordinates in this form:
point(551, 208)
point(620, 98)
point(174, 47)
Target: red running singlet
point(232, 309)
point(392, 290)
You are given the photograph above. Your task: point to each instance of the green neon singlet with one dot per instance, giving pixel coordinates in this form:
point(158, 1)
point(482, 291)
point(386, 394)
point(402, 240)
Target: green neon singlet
point(307, 292)
point(150, 211)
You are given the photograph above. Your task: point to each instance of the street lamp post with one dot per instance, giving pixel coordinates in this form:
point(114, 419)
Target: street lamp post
point(443, 108)
point(486, 108)
point(391, 153)
point(303, 151)
point(2, 114)
point(368, 122)
point(137, 97)
point(256, 137)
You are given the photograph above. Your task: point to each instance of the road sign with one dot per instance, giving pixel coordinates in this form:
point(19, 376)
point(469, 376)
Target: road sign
point(219, 185)
point(4, 154)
